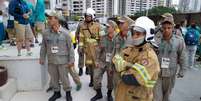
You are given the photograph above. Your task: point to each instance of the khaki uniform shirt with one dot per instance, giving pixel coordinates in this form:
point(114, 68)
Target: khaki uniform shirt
point(174, 53)
point(89, 39)
point(57, 47)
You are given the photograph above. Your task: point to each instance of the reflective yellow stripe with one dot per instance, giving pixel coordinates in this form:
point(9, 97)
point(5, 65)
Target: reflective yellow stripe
point(143, 72)
point(91, 40)
point(150, 83)
point(145, 75)
point(81, 43)
point(89, 61)
point(119, 63)
point(120, 66)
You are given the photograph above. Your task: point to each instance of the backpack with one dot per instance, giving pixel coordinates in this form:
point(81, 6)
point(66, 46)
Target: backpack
point(191, 38)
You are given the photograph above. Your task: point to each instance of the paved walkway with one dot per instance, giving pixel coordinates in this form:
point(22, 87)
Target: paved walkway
point(186, 89)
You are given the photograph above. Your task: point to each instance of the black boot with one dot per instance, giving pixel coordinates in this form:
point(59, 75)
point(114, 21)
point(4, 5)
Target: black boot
point(109, 95)
point(68, 96)
point(12, 43)
point(91, 81)
point(98, 95)
point(36, 40)
point(23, 46)
point(55, 96)
point(87, 71)
point(198, 59)
point(49, 89)
point(32, 45)
point(80, 72)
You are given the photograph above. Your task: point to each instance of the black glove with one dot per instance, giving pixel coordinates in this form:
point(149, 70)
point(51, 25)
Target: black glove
point(129, 79)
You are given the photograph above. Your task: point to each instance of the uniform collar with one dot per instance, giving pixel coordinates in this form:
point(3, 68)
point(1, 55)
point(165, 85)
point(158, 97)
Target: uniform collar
point(143, 47)
point(110, 38)
point(91, 23)
point(170, 37)
point(171, 40)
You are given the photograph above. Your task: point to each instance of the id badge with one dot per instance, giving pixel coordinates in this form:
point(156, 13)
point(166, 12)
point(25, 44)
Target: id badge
point(108, 57)
point(165, 63)
point(54, 49)
point(11, 17)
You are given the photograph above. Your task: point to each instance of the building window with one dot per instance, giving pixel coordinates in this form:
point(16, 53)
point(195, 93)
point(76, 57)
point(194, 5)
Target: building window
point(64, 4)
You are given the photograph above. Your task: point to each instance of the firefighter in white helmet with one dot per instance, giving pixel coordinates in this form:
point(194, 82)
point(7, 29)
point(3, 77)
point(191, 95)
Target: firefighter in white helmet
point(137, 64)
point(88, 33)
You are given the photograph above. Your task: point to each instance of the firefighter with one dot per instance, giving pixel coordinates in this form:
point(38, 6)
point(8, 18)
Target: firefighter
point(80, 52)
point(137, 64)
point(89, 36)
point(120, 41)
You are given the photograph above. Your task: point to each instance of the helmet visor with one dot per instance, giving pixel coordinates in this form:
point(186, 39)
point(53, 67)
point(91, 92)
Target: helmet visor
point(139, 29)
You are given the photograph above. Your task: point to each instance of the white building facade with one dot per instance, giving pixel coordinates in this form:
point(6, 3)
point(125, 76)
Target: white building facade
point(133, 6)
point(106, 8)
point(190, 5)
point(78, 7)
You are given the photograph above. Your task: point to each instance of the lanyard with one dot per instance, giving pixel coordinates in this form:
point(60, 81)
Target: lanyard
point(122, 42)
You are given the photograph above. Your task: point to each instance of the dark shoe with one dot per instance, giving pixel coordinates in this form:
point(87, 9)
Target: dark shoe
point(91, 81)
point(55, 96)
point(68, 96)
point(87, 71)
point(23, 47)
point(91, 84)
point(49, 89)
point(32, 45)
point(36, 41)
point(198, 59)
point(97, 96)
point(12, 43)
point(109, 98)
point(109, 95)
point(80, 72)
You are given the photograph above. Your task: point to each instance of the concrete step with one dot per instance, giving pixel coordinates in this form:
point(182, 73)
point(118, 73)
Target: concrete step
point(8, 90)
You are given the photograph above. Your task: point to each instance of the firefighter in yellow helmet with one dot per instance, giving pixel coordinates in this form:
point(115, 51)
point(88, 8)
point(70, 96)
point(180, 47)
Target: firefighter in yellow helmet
point(137, 64)
point(89, 36)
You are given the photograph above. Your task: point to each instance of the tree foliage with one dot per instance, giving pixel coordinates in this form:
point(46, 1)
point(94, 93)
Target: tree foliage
point(76, 18)
point(157, 11)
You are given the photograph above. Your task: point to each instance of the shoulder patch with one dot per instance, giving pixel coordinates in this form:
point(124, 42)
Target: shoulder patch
point(144, 62)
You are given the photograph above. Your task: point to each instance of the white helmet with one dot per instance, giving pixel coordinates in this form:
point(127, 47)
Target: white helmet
point(145, 24)
point(91, 12)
